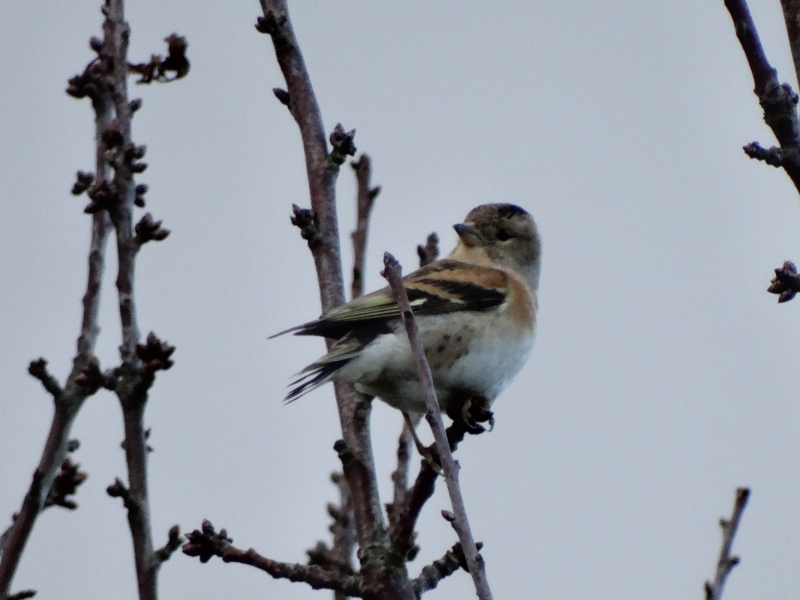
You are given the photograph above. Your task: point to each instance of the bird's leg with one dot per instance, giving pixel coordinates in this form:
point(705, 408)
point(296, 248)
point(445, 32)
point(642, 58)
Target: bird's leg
point(423, 451)
point(470, 413)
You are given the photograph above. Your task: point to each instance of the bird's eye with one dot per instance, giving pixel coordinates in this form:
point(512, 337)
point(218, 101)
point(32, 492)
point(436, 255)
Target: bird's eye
point(503, 235)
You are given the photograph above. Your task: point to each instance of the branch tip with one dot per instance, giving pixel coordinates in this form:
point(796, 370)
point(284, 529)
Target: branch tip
point(155, 354)
point(343, 145)
point(726, 562)
point(82, 183)
point(158, 68)
point(174, 541)
point(270, 24)
point(38, 369)
point(308, 224)
point(65, 484)
point(786, 283)
point(283, 97)
point(206, 543)
point(430, 251)
point(148, 229)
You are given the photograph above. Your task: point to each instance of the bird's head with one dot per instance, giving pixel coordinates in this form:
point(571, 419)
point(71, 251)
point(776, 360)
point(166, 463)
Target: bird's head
point(504, 234)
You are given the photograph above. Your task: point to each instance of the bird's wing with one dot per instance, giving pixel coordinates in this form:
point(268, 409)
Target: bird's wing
point(441, 287)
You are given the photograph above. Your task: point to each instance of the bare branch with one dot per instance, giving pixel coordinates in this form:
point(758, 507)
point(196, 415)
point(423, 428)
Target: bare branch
point(432, 574)
point(393, 275)
point(38, 369)
point(364, 201)
point(158, 68)
point(726, 562)
point(70, 398)
point(140, 362)
point(206, 543)
point(342, 528)
point(174, 541)
point(778, 101)
point(791, 15)
point(322, 169)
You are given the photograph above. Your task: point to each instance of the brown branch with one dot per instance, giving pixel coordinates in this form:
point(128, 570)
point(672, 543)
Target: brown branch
point(322, 169)
point(726, 562)
point(364, 201)
point(206, 543)
point(129, 388)
point(401, 512)
point(338, 557)
point(38, 369)
point(174, 541)
point(405, 516)
point(778, 101)
point(140, 362)
point(158, 68)
point(393, 274)
point(343, 529)
point(432, 574)
point(791, 16)
point(70, 398)
point(407, 504)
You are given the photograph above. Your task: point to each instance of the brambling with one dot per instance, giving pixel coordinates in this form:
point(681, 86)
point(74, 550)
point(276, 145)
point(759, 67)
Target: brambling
point(476, 312)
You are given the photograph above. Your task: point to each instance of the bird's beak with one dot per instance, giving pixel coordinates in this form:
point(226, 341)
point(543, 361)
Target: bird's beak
point(469, 234)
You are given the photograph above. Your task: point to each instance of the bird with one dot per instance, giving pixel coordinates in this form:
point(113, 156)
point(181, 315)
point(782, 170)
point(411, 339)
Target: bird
point(476, 313)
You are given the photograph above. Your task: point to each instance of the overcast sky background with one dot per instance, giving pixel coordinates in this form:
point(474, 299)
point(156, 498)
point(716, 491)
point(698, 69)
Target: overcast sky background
point(664, 375)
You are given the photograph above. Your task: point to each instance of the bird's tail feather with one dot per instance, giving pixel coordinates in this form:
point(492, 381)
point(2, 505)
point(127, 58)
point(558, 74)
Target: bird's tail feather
point(322, 371)
point(312, 377)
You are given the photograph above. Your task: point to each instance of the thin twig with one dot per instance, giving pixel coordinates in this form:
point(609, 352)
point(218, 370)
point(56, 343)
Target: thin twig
point(726, 561)
point(407, 504)
point(365, 199)
point(432, 574)
point(791, 15)
point(70, 398)
point(779, 102)
point(206, 543)
point(393, 274)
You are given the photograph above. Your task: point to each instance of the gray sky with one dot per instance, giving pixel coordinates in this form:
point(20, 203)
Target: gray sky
point(663, 376)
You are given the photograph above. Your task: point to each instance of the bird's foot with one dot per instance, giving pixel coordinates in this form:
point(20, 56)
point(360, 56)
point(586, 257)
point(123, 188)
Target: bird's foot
point(471, 414)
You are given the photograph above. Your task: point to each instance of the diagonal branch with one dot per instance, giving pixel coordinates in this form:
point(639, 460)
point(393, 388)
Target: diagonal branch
point(407, 504)
point(393, 274)
point(726, 562)
point(206, 543)
point(779, 102)
point(70, 398)
point(432, 574)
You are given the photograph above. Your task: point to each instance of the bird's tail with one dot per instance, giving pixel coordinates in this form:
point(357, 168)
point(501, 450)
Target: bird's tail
point(323, 370)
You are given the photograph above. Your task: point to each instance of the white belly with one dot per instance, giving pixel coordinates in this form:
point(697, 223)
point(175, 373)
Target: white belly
point(476, 353)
